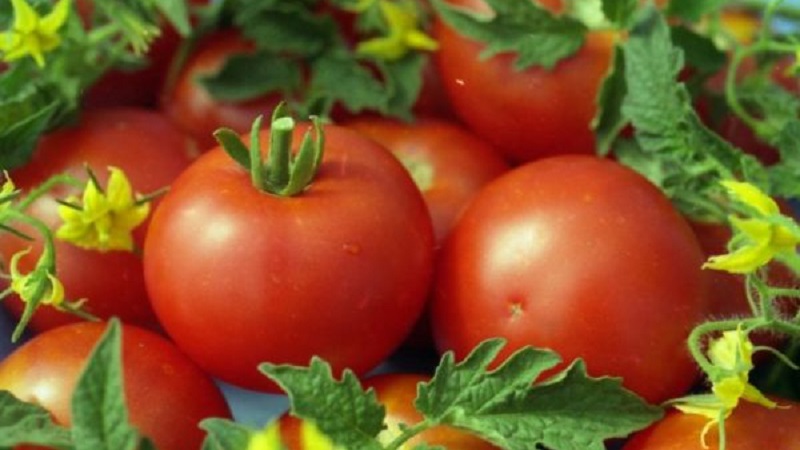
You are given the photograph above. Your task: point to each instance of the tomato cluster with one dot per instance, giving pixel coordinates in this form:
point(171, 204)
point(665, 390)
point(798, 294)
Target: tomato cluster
point(491, 217)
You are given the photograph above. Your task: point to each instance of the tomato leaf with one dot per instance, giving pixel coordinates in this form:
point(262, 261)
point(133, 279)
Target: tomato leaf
point(246, 76)
point(684, 158)
point(177, 12)
point(99, 414)
point(693, 10)
point(535, 35)
point(342, 410)
point(224, 434)
point(338, 76)
point(569, 410)
point(609, 121)
point(620, 12)
point(26, 423)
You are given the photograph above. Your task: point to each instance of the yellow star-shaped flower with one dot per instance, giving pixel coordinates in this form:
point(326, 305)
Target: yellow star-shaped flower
point(35, 286)
point(404, 34)
point(31, 34)
point(759, 238)
point(103, 220)
point(731, 355)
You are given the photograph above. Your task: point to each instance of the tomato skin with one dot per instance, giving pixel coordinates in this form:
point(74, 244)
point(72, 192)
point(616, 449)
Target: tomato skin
point(167, 395)
point(339, 271)
point(396, 391)
point(580, 255)
point(459, 162)
point(190, 106)
point(750, 427)
point(152, 152)
point(526, 114)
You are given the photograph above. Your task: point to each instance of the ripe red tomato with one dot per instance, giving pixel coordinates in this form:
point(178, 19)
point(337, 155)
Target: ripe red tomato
point(396, 391)
point(238, 277)
point(152, 152)
point(189, 105)
point(166, 394)
point(750, 427)
point(526, 114)
point(448, 162)
point(580, 255)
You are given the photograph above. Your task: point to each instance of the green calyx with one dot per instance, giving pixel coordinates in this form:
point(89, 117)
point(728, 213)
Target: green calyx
point(282, 173)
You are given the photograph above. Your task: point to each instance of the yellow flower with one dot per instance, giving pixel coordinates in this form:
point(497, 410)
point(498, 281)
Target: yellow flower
point(404, 34)
point(267, 439)
point(105, 220)
point(6, 190)
point(757, 239)
point(32, 287)
point(313, 438)
point(32, 34)
point(732, 356)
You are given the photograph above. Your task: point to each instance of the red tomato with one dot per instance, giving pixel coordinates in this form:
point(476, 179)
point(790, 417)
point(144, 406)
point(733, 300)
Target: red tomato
point(396, 391)
point(166, 394)
point(580, 255)
point(750, 427)
point(152, 152)
point(526, 114)
point(190, 106)
point(238, 277)
point(448, 163)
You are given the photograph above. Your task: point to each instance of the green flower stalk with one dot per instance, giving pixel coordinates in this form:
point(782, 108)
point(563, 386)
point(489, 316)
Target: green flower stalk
point(31, 34)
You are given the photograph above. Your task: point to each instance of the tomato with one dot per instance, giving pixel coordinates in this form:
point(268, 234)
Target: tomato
point(448, 162)
point(152, 152)
point(526, 114)
point(580, 255)
point(190, 106)
point(396, 391)
point(238, 277)
point(166, 394)
point(750, 427)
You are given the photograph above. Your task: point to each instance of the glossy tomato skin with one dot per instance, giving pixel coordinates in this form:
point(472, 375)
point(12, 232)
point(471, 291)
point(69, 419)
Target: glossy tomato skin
point(526, 114)
point(396, 392)
point(167, 395)
point(191, 106)
point(580, 255)
point(448, 162)
point(152, 152)
point(238, 277)
point(750, 427)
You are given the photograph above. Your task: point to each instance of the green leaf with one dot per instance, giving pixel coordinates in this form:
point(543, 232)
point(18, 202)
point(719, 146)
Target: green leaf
point(247, 76)
point(467, 389)
point(177, 13)
point(26, 423)
point(535, 35)
point(99, 413)
point(224, 434)
point(284, 27)
point(403, 80)
point(569, 412)
point(18, 140)
point(609, 120)
point(691, 159)
point(342, 410)
point(620, 12)
point(699, 51)
point(339, 76)
point(693, 10)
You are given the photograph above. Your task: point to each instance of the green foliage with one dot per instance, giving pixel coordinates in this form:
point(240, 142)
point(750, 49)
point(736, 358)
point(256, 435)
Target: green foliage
point(536, 36)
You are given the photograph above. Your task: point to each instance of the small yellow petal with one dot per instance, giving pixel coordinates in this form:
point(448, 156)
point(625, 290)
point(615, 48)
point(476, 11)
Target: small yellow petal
point(752, 196)
point(118, 190)
point(753, 395)
point(742, 261)
point(266, 439)
point(25, 17)
point(57, 17)
point(312, 437)
point(56, 295)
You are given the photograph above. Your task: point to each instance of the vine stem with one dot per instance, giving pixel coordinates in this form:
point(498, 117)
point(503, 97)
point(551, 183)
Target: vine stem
point(409, 433)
